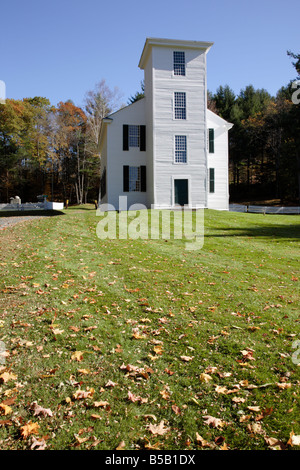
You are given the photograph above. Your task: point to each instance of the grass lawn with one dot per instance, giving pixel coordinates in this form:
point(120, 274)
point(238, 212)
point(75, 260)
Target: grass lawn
point(142, 344)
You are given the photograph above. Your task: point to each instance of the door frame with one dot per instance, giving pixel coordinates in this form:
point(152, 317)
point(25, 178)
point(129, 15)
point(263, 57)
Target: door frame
point(181, 177)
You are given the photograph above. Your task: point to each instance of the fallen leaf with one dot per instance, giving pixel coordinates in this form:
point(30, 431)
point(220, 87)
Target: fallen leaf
point(38, 410)
point(6, 410)
point(186, 358)
point(110, 383)
point(253, 408)
point(283, 386)
point(79, 394)
point(176, 409)
point(135, 398)
point(101, 404)
point(158, 429)
point(214, 422)
point(205, 377)
point(201, 441)
point(121, 446)
point(294, 440)
point(6, 376)
point(39, 444)
point(29, 428)
point(77, 356)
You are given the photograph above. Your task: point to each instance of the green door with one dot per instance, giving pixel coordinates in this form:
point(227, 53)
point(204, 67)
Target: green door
point(181, 189)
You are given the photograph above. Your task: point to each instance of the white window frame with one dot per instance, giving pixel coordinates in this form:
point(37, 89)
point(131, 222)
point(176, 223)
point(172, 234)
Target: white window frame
point(134, 136)
point(178, 161)
point(134, 179)
point(179, 64)
point(183, 94)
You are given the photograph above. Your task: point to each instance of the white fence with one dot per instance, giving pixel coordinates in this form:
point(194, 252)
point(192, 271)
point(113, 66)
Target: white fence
point(264, 209)
point(33, 206)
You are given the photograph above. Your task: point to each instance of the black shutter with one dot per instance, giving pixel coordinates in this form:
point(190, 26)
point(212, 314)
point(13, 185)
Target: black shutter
point(143, 138)
point(211, 180)
point(143, 178)
point(125, 178)
point(125, 137)
point(211, 141)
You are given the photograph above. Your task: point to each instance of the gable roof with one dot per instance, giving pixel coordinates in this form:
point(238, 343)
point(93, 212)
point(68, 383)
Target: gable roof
point(217, 119)
point(109, 118)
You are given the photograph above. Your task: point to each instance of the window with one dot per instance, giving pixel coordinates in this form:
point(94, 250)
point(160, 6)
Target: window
point(179, 105)
point(179, 63)
point(180, 149)
point(134, 136)
point(211, 180)
point(211, 141)
point(134, 178)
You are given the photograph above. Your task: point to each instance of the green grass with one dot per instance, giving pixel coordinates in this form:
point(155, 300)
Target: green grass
point(231, 307)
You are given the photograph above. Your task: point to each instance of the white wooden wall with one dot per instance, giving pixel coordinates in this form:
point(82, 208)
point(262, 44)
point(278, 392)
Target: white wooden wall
point(163, 82)
point(116, 158)
point(219, 161)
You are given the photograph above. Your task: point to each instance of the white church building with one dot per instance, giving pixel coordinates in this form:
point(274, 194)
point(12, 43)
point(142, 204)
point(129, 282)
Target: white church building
point(167, 149)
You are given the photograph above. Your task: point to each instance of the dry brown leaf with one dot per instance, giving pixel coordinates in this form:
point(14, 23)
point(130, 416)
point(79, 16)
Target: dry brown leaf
point(187, 358)
point(255, 428)
point(38, 444)
point(201, 441)
point(158, 429)
point(77, 356)
point(294, 440)
point(6, 409)
point(79, 394)
point(214, 422)
point(6, 376)
point(283, 386)
point(254, 408)
point(135, 398)
point(101, 404)
point(205, 377)
point(110, 383)
point(29, 428)
point(176, 409)
point(38, 410)
point(121, 446)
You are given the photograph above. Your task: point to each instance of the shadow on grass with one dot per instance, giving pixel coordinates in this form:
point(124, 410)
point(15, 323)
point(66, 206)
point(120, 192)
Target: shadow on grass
point(290, 232)
point(36, 213)
point(84, 207)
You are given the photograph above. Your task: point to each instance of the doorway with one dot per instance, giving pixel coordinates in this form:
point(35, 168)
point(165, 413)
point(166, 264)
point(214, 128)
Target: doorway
point(181, 192)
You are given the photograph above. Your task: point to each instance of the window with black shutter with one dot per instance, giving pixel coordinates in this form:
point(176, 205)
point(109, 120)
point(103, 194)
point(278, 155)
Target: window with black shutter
point(134, 178)
point(134, 136)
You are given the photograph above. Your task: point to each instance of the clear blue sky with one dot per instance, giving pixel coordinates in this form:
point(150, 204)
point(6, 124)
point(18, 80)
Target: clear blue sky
point(60, 49)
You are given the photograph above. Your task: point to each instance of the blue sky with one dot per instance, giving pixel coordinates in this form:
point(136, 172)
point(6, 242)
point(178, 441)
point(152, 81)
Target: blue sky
point(60, 49)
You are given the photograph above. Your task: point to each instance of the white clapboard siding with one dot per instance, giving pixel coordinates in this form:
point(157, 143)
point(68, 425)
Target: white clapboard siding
point(156, 112)
point(115, 158)
point(163, 84)
point(219, 161)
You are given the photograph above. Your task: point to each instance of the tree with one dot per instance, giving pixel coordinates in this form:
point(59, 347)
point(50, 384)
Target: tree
point(98, 103)
point(139, 94)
